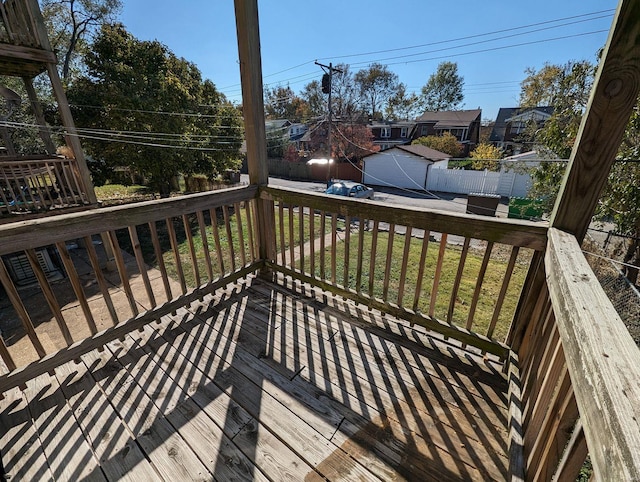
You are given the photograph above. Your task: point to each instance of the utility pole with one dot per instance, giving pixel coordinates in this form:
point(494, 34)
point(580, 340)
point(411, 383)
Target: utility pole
point(327, 83)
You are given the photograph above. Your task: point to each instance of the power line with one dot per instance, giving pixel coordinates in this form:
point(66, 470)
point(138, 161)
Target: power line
point(609, 11)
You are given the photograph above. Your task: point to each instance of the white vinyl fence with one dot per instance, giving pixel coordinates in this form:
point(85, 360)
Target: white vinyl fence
point(464, 182)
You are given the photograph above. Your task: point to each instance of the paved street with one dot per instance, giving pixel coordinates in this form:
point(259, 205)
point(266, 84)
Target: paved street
point(441, 201)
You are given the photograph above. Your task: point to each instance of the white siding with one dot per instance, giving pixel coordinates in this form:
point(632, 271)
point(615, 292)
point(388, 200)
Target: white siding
point(395, 169)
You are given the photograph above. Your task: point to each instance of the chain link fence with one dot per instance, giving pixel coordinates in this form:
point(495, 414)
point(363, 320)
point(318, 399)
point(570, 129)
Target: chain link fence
point(624, 295)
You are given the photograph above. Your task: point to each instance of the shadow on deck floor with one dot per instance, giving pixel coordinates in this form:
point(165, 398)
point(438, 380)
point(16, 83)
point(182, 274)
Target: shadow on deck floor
point(265, 382)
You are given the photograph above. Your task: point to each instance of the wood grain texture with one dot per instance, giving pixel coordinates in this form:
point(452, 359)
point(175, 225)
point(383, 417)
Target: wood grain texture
point(603, 360)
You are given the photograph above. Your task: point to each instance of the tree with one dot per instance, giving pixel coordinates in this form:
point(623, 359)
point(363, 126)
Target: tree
point(352, 142)
point(72, 22)
point(446, 143)
point(485, 156)
point(344, 96)
point(402, 106)
point(566, 88)
point(150, 110)
point(315, 99)
point(376, 85)
point(443, 90)
point(282, 103)
point(620, 200)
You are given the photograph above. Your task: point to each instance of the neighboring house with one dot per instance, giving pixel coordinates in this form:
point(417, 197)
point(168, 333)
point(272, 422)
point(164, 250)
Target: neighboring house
point(463, 124)
point(402, 166)
point(390, 134)
point(514, 125)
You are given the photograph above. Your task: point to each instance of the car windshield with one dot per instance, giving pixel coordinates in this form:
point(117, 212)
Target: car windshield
point(338, 188)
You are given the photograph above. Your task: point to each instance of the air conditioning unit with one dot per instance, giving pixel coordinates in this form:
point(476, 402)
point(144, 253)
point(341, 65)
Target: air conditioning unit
point(20, 269)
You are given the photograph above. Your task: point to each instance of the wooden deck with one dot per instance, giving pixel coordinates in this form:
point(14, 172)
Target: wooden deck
point(265, 382)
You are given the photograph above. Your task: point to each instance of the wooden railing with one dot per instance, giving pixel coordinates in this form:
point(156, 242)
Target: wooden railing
point(18, 25)
point(580, 377)
point(162, 254)
point(31, 185)
point(458, 275)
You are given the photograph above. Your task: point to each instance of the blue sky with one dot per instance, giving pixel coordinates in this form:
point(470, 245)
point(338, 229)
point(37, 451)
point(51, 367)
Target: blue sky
point(493, 42)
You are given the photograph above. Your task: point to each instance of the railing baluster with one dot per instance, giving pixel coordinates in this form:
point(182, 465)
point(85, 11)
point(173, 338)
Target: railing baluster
point(405, 261)
point(292, 261)
point(97, 270)
point(360, 256)
point(14, 297)
point(49, 295)
point(503, 290)
point(248, 211)
point(312, 243)
point(283, 251)
point(423, 261)
point(227, 227)
point(176, 254)
point(334, 246)
point(574, 456)
point(192, 249)
point(160, 259)
point(438, 273)
point(479, 281)
point(301, 235)
point(347, 251)
point(142, 267)
point(213, 214)
point(456, 283)
point(205, 244)
point(76, 285)
point(372, 261)
point(6, 356)
point(240, 229)
point(387, 264)
point(323, 234)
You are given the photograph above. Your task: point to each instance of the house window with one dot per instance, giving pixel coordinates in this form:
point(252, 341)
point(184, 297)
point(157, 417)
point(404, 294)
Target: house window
point(403, 132)
point(424, 131)
point(385, 132)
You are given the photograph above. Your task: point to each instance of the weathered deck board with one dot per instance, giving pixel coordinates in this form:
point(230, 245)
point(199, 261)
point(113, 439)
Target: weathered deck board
point(262, 383)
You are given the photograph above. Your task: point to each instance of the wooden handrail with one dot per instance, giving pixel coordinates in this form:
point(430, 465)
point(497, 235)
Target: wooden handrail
point(30, 234)
point(602, 359)
point(507, 231)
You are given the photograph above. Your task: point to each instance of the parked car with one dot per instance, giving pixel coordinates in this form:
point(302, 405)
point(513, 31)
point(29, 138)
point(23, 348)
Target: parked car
point(350, 189)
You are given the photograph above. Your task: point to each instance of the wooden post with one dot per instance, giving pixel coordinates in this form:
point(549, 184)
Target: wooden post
point(43, 130)
point(612, 100)
point(248, 33)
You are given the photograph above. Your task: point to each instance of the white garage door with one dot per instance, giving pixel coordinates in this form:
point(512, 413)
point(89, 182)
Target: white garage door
point(400, 170)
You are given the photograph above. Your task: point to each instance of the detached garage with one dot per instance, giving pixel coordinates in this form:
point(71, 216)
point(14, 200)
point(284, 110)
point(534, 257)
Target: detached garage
point(402, 166)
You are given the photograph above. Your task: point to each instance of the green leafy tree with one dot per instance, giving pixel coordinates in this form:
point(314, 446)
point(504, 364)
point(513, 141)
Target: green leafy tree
point(315, 99)
point(402, 105)
point(443, 90)
point(283, 103)
point(446, 143)
point(620, 200)
point(486, 156)
point(71, 23)
point(151, 111)
point(376, 85)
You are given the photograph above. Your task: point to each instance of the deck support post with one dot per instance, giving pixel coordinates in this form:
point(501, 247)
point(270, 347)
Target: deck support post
point(248, 33)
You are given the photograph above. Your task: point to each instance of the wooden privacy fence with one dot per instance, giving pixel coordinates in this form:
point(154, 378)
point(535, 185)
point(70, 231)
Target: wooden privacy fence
point(406, 262)
point(165, 254)
point(34, 185)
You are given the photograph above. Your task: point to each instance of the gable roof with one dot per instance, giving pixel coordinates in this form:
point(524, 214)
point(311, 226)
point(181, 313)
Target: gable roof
point(451, 118)
point(417, 150)
point(425, 152)
point(276, 124)
point(505, 113)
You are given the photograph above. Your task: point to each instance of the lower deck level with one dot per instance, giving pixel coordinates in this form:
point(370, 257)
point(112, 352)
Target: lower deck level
point(264, 381)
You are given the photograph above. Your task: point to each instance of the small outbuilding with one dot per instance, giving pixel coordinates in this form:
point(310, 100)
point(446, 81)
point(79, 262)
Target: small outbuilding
point(402, 166)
